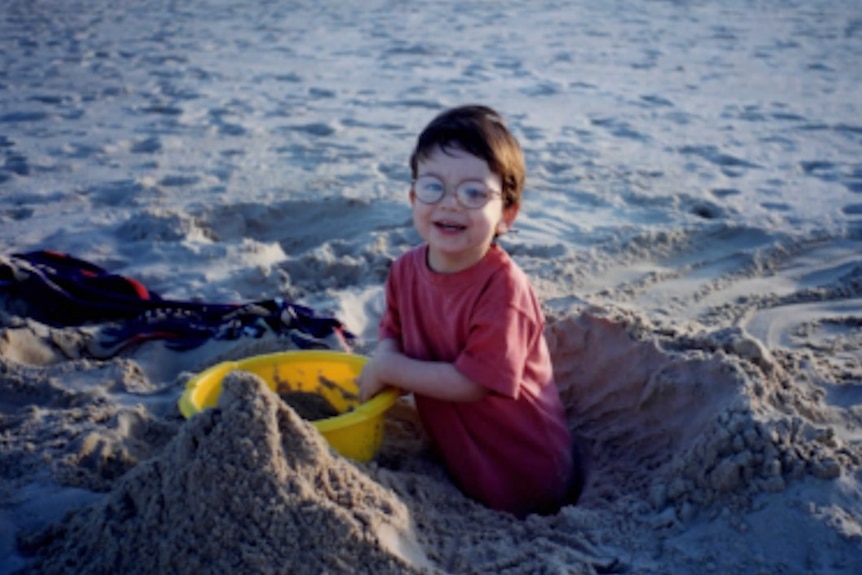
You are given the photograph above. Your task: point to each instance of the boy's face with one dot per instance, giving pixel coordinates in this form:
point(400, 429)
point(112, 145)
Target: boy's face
point(457, 236)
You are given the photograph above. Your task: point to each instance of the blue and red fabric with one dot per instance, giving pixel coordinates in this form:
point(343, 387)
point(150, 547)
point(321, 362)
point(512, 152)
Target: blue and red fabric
point(61, 290)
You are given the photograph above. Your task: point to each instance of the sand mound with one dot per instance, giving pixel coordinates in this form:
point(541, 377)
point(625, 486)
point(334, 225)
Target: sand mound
point(247, 487)
point(686, 420)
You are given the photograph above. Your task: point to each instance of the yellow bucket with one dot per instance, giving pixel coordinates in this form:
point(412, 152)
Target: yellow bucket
point(356, 433)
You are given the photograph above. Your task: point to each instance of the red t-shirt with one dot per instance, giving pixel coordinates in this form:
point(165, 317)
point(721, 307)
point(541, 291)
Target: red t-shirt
point(511, 450)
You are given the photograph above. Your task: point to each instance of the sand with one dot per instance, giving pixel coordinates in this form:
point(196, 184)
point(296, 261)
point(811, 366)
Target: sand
point(248, 487)
point(691, 225)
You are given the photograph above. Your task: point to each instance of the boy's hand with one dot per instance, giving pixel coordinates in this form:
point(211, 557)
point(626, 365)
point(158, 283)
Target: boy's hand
point(388, 367)
point(370, 380)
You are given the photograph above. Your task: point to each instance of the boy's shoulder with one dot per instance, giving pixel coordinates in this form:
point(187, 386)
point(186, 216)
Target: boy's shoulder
point(411, 256)
point(509, 272)
point(500, 260)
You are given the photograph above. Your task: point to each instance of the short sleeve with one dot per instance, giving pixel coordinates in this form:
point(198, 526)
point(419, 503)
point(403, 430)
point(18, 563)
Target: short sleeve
point(500, 340)
point(390, 322)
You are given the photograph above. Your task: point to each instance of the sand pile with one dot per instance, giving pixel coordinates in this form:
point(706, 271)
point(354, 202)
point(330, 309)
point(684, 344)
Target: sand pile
point(705, 413)
point(248, 487)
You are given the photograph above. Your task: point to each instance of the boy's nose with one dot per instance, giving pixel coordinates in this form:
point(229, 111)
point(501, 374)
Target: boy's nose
point(450, 198)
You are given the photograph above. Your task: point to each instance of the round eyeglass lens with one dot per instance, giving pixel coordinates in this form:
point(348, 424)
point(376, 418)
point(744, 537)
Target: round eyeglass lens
point(470, 194)
point(428, 189)
point(473, 194)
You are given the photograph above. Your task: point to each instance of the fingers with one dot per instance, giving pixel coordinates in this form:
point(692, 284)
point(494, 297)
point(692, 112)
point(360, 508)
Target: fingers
point(368, 392)
point(367, 387)
point(363, 393)
point(360, 383)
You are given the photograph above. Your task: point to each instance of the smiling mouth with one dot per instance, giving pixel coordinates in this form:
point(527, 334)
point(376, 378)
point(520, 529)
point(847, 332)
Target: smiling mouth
point(449, 226)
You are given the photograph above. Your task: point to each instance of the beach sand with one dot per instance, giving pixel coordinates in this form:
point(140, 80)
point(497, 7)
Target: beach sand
point(691, 225)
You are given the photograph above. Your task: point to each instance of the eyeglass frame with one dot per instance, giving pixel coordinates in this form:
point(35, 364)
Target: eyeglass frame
point(491, 192)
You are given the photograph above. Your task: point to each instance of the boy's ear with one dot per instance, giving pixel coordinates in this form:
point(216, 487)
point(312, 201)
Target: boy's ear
point(508, 219)
point(412, 196)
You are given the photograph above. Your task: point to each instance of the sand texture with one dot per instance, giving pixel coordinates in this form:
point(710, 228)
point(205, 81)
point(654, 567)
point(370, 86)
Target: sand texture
point(691, 225)
point(249, 487)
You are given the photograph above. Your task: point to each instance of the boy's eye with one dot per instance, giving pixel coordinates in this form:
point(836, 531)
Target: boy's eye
point(473, 193)
point(430, 186)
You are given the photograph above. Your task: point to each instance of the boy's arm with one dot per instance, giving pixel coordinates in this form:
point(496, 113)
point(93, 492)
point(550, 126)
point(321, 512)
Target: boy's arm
point(440, 380)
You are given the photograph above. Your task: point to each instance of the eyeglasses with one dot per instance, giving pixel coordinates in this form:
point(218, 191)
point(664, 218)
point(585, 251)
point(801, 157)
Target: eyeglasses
point(470, 194)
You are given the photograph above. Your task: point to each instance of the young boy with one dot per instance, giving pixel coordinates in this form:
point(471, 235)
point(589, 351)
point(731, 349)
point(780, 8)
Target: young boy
point(463, 330)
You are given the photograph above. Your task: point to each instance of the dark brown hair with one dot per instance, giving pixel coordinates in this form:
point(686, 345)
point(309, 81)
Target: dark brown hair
point(480, 131)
